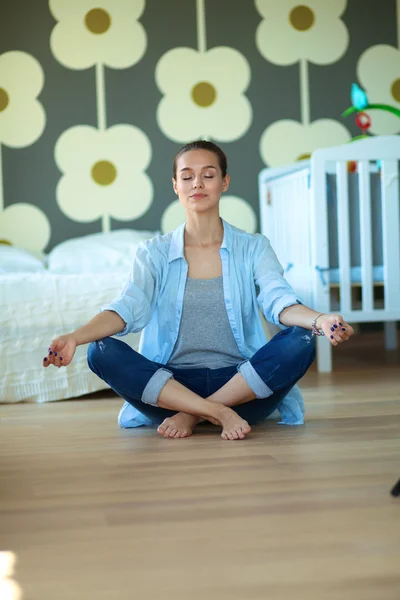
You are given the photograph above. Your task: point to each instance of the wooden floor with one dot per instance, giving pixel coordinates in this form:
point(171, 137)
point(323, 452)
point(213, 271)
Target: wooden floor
point(292, 513)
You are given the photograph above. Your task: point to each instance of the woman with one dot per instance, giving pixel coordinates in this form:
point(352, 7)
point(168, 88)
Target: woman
point(195, 293)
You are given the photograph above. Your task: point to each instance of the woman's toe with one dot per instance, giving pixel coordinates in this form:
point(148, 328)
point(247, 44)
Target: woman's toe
point(167, 431)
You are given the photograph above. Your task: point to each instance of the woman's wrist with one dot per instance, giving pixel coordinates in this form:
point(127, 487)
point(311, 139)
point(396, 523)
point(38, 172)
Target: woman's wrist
point(318, 319)
point(316, 325)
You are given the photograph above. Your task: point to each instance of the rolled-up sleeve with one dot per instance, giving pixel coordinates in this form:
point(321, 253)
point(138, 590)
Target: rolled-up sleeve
point(275, 293)
point(136, 300)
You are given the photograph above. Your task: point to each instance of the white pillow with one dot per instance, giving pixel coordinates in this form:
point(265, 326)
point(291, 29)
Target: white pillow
point(18, 260)
point(97, 253)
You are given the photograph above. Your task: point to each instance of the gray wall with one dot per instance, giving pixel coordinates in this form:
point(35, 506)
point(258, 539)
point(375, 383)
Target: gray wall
point(68, 97)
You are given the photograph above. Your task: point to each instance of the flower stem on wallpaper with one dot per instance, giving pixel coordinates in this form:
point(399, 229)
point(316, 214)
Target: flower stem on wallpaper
point(102, 122)
point(304, 92)
point(106, 226)
point(201, 26)
point(201, 32)
point(398, 21)
point(101, 97)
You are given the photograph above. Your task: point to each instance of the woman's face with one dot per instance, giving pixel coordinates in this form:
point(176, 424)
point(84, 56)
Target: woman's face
point(199, 182)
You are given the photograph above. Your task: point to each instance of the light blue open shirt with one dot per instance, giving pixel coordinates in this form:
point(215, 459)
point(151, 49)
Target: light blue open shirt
point(151, 301)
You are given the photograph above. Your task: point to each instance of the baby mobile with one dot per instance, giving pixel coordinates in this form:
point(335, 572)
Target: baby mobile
point(360, 103)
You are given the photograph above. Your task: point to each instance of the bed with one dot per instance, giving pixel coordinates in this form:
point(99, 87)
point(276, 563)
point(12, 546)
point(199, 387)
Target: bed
point(43, 298)
point(35, 308)
point(334, 223)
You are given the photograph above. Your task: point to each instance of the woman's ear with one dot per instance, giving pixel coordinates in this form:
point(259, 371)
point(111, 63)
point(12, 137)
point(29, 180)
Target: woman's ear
point(225, 183)
point(174, 186)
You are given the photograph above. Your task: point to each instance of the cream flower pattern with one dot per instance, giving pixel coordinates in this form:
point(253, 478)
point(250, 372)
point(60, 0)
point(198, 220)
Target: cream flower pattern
point(378, 71)
point(206, 90)
point(103, 173)
point(233, 209)
point(288, 141)
point(90, 32)
point(25, 226)
point(309, 30)
point(22, 117)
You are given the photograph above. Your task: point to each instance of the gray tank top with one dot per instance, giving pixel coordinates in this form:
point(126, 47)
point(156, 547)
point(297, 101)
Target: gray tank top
point(205, 338)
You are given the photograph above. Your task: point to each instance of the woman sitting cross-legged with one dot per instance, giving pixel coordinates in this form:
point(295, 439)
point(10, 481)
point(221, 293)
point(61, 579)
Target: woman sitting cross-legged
point(195, 294)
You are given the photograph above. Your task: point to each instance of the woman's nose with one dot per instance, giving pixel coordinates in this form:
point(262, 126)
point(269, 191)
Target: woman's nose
point(197, 182)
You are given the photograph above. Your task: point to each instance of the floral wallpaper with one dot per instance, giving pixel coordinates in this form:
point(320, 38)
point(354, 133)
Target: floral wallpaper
point(96, 97)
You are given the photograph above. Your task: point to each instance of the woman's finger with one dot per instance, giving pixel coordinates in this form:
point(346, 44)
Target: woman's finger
point(344, 337)
point(332, 339)
point(346, 331)
point(341, 335)
point(50, 359)
point(349, 329)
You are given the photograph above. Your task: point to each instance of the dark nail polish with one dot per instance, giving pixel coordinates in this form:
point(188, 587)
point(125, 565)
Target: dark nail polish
point(50, 353)
point(332, 329)
point(343, 329)
point(55, 353)
point(60, 357)
point(340, 325)
point(45, 358)
point(335, 326)
point(331, 337)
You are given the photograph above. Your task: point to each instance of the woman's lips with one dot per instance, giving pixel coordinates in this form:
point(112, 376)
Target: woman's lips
point(198, 196)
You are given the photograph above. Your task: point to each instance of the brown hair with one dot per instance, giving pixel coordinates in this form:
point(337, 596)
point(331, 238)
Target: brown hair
point(203, 145)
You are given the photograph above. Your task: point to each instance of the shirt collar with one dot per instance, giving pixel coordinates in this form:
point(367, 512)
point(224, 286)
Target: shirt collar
point(176, 249)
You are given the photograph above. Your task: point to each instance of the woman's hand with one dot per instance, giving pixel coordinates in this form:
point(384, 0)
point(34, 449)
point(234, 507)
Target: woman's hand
point(334, 328)
point(61, 351)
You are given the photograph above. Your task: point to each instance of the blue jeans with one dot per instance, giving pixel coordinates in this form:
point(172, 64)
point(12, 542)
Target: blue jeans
point(271, 373)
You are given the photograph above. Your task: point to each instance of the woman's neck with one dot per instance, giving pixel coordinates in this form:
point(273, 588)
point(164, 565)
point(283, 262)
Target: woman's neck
point(203, 230)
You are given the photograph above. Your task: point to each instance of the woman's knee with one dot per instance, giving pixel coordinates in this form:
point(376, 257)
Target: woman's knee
point(304, 343)
point(99, 352)
point(304, 336)
point(295, 345)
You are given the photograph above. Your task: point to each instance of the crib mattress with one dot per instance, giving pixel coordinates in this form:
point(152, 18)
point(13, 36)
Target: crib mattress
point(355, 275)
point(35, 308)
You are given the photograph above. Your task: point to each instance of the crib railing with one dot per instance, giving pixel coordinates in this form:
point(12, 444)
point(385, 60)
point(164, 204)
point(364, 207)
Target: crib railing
point(294, 202)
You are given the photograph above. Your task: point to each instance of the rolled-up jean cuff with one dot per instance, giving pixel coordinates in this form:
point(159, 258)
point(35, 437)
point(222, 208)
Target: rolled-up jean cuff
point(253, 380)
point(155, 385)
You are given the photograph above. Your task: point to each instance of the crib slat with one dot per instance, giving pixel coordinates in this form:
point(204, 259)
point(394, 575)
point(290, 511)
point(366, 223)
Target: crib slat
point(365, 234)
point(343, 236)
point(390, 232)
point(320, 250)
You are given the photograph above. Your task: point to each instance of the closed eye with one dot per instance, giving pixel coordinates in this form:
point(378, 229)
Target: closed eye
point(205, 177)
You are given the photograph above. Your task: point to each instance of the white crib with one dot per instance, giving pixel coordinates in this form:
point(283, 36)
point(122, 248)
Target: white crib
point(337, 233)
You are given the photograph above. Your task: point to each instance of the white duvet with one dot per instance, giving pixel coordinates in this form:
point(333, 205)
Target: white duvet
point(35, 308)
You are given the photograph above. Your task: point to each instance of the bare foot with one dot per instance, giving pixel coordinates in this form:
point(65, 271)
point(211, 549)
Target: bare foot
point(233, 426)
point(180, 425)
